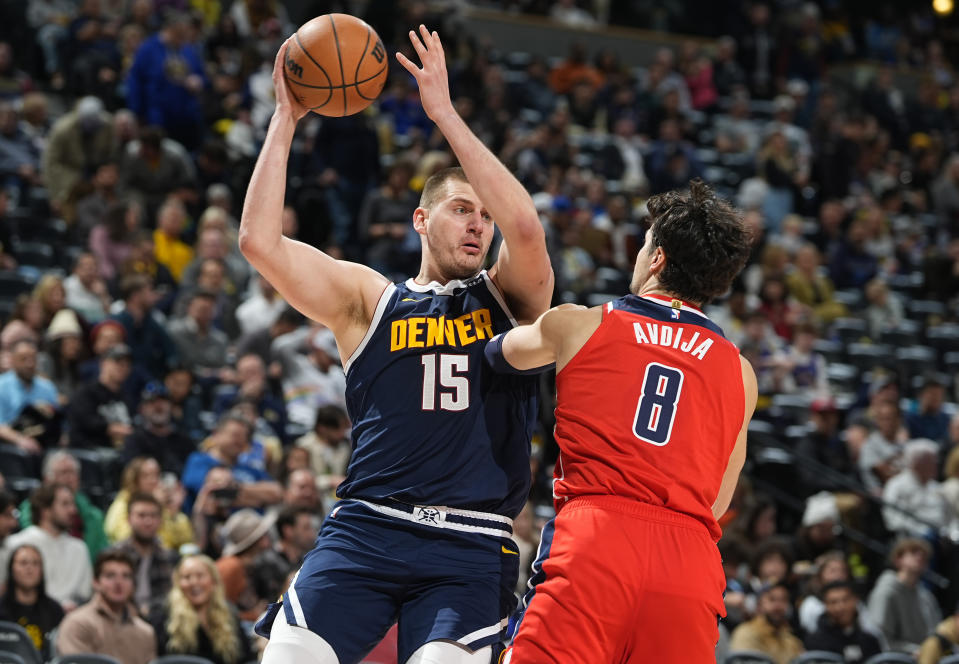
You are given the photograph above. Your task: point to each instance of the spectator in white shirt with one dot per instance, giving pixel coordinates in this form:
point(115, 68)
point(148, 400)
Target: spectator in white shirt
point(69, 576)
point(261, 309)
point(915, 490)
point(86, 291)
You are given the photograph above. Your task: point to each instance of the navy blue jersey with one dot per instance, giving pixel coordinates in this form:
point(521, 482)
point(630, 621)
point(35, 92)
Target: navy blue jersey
point(432, 423)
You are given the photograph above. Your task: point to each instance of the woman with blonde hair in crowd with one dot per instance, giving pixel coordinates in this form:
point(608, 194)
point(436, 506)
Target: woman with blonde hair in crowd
point(196, 619)
point(142, 474)
point(51, 295)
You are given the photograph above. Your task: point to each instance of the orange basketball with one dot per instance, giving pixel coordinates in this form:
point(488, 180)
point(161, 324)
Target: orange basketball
point(335, 65)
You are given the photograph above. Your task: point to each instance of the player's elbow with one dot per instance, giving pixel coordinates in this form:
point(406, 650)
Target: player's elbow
point(253, 245)
point(529, 230)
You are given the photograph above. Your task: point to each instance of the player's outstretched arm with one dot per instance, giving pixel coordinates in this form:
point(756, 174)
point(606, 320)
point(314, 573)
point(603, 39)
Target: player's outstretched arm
point(335, 293)
point(738, 456)
point(522, 271)
point(539, 345)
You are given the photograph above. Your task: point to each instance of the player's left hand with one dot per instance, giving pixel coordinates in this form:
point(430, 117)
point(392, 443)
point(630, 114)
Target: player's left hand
point(432, 79)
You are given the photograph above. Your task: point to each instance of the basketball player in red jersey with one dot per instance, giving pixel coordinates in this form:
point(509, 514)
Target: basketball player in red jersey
point(653, 405)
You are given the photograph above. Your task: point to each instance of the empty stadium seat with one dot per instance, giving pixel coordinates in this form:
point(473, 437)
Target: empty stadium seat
point(849, 330)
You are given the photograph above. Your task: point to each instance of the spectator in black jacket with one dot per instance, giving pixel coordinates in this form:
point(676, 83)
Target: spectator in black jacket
point(156, 434)
point(838, 629)
point(823, 445)
point(98, 415)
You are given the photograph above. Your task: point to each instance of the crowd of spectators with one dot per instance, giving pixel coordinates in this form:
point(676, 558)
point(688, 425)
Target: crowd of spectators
point(172, 431)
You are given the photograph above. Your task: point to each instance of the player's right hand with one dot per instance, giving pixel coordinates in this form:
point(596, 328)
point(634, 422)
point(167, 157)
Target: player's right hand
point(285, 101)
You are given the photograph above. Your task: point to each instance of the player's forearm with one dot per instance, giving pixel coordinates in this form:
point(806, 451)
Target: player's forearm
point(505, 198)
point(261, 224)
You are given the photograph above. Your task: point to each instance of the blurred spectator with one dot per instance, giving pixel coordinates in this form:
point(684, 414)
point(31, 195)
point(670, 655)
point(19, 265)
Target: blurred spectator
point(311, 376)
point(185, 402)
point(905, 610)
point(881, 454)
point(915, 505)
point(92, 207)
point(143, 261)
point(13, 81)
point(727, 73)
point(261, 309)
point(808, 368)
point(852, 265)
point(214, 243)
point(140, 475)
point(246, 535)
point(170, 249)
point(20, 389)
point(769, 632)
point(153, 349)
point(166, 80)
point(112, 240)
point(153, 563)
point(50, 295)
point(212, 279)
point(247, 487)
point(65, 353)
point(945, 193)
point(824, 444)
point(198, 591)
point(300, 490)
point(201, 346)
point(261, 341)
point(252, 385)
point(61, 467)
point(19, 156)
point(574, 69)
point(153, 167)
point(8, 524)
point(757, 51)
point(86, 291)
point(329, 448)
point(155, 434)
point(385, 221)
point(941, 643)
point(567, 13)
point(950, 471)
point(66, 560)
point(831, 567)
point(818, 531)
point(109, 623)
point(838, 628)
point(26, 602)
point(926, 417)
point(885, 310)
point(296, 529)
point(79, 142)
point(98, 414)
point(176, 531)
point(91, 53)
point(812, 287)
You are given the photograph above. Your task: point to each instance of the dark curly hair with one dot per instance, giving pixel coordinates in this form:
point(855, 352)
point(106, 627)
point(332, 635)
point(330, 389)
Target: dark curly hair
point(704, 239)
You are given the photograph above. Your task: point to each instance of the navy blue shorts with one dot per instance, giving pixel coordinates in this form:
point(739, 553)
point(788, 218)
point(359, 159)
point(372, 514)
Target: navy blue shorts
point(441, 576)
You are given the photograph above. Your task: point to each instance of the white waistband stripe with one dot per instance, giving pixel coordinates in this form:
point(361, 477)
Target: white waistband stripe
point(436, 518)
point(479, 634)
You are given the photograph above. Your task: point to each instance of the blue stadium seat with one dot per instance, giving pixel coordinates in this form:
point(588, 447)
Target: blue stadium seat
point(849, 330)
point(85, 658)
point(891, 658)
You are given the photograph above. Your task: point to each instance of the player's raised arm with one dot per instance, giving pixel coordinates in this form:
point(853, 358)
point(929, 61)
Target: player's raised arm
point(335, 293)
point(555, 336)
point(522, 270)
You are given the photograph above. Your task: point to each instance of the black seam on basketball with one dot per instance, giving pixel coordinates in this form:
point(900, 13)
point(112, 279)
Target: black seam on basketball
point(336, 40)
point(329, 80)
point(339, 87)
point(356, 74)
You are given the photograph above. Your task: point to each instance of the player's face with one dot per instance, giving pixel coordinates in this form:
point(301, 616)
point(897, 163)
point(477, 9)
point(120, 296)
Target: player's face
point(458, 232)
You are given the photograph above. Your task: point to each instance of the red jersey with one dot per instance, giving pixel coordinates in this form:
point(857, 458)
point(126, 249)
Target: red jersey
point(650, 409)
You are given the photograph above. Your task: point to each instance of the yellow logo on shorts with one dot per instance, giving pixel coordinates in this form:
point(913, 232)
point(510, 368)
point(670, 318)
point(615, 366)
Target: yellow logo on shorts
point(505, 550)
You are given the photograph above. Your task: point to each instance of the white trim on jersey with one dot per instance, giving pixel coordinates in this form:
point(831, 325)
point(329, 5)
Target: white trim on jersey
point(377, 315)
point(494, 291)
point(441, 522)
point(441, 289)
point(295, 603)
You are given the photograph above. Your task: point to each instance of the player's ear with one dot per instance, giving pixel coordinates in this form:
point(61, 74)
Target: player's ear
point(658, 262)
point(419, 220)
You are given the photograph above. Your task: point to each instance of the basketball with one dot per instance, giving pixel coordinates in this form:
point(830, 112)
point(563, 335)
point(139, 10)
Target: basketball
point(335, 65)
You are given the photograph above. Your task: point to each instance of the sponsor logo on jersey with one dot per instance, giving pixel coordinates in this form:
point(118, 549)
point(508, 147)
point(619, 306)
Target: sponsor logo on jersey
point(429, 331)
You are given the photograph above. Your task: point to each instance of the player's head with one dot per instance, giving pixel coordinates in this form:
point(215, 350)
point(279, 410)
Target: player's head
point(454, 226)
point(695, 246)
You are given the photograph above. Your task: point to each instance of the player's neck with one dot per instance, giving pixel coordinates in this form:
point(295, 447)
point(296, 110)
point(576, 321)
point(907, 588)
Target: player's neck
point(428, 274)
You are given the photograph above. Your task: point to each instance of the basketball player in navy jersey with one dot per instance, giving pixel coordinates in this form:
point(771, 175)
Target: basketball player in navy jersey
point(440, 465)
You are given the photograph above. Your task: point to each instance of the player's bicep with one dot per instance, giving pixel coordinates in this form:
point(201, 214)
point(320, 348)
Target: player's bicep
point(319, 286)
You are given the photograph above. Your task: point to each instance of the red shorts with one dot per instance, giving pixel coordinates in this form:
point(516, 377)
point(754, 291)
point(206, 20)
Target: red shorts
point(625, 582)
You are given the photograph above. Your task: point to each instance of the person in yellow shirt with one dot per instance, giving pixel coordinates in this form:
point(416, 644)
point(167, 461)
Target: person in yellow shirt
point(169, 249)
point(769, 631)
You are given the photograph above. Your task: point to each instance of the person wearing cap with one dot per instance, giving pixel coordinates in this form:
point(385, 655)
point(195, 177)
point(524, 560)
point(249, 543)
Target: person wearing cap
point(79, 140)
point(98, 415)
point(943, 642)
point(20, 388)
point(926, 418)
point(246, 534)
point(904, 609)
point(769, 632)
point(817, 532)
point(155, 434)
point(64, 343)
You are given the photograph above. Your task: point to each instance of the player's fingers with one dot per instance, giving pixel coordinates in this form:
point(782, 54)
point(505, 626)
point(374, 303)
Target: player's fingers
point(417, 45)
point(437, 44)
point(427, 37)
point(408, 64)
point(281, 56)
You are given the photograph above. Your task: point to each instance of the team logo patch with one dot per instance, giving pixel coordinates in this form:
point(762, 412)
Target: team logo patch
point(429, 515)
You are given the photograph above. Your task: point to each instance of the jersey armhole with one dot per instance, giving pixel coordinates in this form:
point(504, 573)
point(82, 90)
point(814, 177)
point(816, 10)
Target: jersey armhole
point(498, 296)
point(374, 323)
